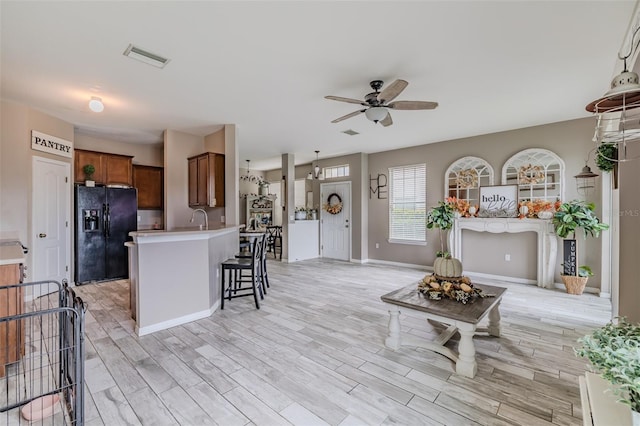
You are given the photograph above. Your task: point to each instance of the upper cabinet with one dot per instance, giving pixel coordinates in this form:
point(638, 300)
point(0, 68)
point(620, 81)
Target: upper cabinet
point(206, 180)
point(150, 184)
point(112, 169)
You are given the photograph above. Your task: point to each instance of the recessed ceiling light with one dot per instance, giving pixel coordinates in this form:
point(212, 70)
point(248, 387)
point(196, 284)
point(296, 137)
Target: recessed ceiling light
point(145, 56)
point(350, 132)
point(95, 104)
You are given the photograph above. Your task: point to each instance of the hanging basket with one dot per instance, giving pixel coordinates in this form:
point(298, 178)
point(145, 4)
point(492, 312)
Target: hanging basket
point(574, 284)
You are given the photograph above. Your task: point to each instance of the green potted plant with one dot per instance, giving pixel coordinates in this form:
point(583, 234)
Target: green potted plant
point(442, 217)
point(88, 171)
point(570, 217)
point(606, 154)
point(614, 352)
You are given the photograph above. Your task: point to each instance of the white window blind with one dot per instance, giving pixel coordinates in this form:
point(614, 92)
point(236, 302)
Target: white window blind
point(407, 204)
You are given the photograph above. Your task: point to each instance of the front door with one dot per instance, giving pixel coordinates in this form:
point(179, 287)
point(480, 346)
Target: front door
point(335, 221)
point(51, 189)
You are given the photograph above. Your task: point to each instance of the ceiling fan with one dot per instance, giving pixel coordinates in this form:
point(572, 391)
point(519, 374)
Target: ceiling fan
point(378, 103)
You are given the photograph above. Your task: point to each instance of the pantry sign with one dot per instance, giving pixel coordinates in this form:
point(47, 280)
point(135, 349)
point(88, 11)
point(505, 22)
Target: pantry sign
point(51, 144)
point(498, 201)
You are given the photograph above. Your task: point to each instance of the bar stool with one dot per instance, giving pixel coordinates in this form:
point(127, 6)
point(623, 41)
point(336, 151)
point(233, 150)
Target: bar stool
point(237, 269)
point(264, 277)
point(275, 239)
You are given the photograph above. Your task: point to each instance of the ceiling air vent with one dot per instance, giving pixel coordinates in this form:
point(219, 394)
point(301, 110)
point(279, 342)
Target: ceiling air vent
point(350, 132)
point(146, 57)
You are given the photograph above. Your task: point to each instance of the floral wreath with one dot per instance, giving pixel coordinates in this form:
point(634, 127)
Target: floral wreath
point(333, 208)
point(530, 174)
point(467, 179)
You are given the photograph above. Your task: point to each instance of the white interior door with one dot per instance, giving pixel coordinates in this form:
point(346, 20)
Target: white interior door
point(336, 228)
point(51, 189)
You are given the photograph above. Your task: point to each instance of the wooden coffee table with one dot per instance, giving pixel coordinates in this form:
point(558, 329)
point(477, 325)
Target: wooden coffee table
point(461, 318)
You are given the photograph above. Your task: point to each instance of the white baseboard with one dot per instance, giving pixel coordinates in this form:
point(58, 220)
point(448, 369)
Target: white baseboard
point(399, 264)
point(141, 331)
point(500, 278)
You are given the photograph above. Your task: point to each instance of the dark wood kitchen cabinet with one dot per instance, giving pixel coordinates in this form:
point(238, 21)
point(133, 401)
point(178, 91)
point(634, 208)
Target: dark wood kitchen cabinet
point(114, 169)
point(149, 181)
point(206, 180)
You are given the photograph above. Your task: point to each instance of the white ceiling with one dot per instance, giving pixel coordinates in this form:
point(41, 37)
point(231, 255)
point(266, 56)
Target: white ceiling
point(266, 67)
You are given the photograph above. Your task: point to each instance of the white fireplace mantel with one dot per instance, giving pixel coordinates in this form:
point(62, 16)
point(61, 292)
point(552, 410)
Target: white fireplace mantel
point(547, 240)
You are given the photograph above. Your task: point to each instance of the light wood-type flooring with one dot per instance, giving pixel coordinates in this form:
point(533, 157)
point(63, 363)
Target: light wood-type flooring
point(314, 355)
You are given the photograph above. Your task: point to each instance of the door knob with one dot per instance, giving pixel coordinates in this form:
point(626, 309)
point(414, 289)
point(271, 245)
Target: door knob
point(42, 235)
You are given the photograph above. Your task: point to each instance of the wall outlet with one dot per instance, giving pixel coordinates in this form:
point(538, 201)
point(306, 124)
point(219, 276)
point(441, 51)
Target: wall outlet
point(507, 258)
point(377, 245)
point(139, 218)
point(222, 219)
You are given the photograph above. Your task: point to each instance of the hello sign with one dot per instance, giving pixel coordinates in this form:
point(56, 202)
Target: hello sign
point(498, 201)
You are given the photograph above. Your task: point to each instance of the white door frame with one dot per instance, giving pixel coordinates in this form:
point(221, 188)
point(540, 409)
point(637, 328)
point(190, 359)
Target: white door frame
point(322, 186)
point(66, 212)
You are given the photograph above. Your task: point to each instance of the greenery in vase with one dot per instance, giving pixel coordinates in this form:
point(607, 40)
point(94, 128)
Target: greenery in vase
point(614, 352)
point(573, 215)
point(89, 170)
point(442, 218)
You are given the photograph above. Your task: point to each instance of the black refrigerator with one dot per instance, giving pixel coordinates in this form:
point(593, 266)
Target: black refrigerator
point(104, 217)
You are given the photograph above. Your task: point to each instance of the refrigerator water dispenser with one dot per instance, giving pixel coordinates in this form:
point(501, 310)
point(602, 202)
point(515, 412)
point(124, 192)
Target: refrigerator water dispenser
point(91, 220)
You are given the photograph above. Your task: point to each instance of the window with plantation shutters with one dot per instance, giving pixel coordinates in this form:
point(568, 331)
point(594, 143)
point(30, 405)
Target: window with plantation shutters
point(407, 204)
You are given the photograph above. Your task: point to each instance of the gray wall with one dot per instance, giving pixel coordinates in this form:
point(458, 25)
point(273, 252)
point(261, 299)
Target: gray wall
point(571, 140)
point(17, 122)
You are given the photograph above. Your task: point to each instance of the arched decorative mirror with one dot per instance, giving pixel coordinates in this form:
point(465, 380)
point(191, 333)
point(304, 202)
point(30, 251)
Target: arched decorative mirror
point(465, 176)
point(539, 174)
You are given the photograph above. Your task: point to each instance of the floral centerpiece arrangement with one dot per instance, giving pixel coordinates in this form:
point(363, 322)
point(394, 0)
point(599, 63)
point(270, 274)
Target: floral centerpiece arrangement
point(614, 352)
point(460, 289)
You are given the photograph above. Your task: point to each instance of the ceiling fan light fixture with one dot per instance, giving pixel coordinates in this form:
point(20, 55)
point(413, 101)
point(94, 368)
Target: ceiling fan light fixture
point(376, 114)
point(95, 104)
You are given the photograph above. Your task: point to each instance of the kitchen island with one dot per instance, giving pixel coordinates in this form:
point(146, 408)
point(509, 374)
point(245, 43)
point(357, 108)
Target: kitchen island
point(175, 275)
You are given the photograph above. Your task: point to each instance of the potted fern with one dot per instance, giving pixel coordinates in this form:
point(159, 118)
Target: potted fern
point(614, 352)
point(570, 217)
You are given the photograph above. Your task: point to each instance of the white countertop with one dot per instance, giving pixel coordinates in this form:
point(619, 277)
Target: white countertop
point(11, 254)
point(192, 233)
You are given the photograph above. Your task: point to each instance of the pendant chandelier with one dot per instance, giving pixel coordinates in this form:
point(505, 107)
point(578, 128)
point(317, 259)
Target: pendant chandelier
point(316, 174)
point(618, 116)
point(586, 179)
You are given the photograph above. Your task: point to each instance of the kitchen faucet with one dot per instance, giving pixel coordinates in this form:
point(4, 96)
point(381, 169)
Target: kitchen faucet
point(206, 219)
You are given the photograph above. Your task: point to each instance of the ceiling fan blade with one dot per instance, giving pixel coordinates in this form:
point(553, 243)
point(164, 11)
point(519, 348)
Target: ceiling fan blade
point(412, 105)
point(349, 100)
point(344, 117)
point(390, 92)
point(387, 121)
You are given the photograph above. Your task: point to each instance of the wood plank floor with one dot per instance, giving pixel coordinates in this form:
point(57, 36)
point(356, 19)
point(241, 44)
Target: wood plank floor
point(314, 355)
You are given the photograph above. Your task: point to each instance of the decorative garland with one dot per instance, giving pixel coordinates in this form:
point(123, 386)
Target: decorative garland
point(333, 208)
point(467, 179)
point(530, 174)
